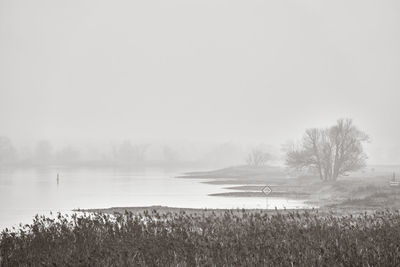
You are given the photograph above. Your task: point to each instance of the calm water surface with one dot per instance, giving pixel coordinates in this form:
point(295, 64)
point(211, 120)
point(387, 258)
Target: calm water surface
point(24, 193)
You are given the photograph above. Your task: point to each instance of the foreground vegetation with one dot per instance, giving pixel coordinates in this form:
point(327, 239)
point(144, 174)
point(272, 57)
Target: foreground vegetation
point(238, 238)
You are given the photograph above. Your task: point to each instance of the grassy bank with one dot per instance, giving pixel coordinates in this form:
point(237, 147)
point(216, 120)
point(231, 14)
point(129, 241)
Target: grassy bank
point(227, 238)
point(366, 190)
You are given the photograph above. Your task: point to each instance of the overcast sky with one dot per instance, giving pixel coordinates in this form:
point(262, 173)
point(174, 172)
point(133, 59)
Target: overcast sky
point(207, 70)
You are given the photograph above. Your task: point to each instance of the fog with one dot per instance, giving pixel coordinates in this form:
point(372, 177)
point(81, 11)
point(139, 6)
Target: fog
point(192, 76)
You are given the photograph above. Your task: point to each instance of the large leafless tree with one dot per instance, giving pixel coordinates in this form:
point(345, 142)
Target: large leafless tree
point(332, 152)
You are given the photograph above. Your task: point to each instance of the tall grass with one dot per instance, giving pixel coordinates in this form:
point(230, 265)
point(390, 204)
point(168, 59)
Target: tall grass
point(227, 239)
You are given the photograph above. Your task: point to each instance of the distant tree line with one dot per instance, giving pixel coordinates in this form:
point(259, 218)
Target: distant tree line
point(43, 153)
point(330, 152)
point(126, 152)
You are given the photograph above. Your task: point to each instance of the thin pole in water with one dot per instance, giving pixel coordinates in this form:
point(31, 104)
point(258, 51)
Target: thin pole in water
point(266, 190)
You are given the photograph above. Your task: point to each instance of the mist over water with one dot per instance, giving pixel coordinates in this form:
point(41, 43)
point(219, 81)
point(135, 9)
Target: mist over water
point(119, 98)
point(25, 193)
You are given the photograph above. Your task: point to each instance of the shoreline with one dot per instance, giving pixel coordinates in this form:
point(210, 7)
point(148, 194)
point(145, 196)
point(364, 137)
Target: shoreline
point(162, 210)
point(364, 190)
point(356, 194)
point(191, 211)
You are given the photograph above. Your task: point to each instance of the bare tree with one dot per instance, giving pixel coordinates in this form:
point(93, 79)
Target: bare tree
point(43, 151)
point(170, 155)
point(257, 157)
point(332, 152)
point(7, 150)
point(68, 155)
point(131, 153)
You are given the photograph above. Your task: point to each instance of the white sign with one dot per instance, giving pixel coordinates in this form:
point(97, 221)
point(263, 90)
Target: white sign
point(266, 190)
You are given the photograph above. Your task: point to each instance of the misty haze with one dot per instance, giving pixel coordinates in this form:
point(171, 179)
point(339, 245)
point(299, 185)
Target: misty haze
point(199, 133)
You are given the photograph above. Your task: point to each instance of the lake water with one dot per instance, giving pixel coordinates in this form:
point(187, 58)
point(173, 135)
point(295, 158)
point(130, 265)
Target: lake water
point(27, 192)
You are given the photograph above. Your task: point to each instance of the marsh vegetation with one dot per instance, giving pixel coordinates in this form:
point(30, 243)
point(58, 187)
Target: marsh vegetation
point(238, 238)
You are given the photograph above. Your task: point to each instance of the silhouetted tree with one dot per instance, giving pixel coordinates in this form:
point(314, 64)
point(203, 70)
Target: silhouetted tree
point(43, 151)
point(257, 157)
point(170, 155)
point(131, 153)
point(332, 152)
point(67, 155)
point(7, 150)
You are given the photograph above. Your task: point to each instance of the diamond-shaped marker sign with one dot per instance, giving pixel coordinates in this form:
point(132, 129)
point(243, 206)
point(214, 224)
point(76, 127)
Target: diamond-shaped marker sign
point(266, 190)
